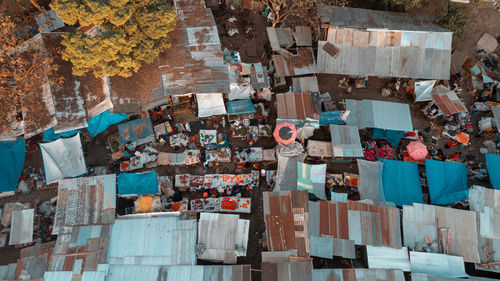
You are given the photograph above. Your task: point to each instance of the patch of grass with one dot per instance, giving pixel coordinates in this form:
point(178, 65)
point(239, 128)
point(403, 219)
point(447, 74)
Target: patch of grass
point(454, 18)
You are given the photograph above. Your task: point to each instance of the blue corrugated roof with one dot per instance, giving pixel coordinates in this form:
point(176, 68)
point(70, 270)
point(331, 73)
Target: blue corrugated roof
point(159, 239)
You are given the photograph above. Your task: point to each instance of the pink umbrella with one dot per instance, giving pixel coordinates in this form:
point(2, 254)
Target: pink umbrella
point(285, 133)
point(417, 150)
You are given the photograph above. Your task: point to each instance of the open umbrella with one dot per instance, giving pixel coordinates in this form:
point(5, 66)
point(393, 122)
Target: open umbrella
point(417, 150)
point(285, 133)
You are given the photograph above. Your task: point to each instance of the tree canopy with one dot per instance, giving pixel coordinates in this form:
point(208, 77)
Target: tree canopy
point(127, 33)
point(24, 68)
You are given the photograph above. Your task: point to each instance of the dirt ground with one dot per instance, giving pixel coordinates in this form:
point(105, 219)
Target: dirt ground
point(253, 47)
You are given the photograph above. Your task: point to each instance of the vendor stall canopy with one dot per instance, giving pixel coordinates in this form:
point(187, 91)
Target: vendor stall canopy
point(240, 107)
point(63, 158)
point(101, 122)
point(137, 183)
point(139, 130)
point(11, 163)
point(379, 114)
point(447, 181)
point(210, 105)
point(493, 165)
point(379, 43)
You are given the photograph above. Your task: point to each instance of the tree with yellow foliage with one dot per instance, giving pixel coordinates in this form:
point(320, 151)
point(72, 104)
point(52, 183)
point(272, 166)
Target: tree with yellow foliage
point(129, 33)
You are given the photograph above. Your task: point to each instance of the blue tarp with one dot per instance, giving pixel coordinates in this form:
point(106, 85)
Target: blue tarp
point(137, 183)
point(331, 118)
point(101, 122)
point(401, 182)
point(50, 135)
point(393, 137)
point(447, 181)
point(135, 130)
point(493, 164)
point(11, 163)
point(240, 107)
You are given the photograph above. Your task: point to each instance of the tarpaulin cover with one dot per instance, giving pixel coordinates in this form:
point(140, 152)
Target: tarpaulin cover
point(63, 158)
point(312, 178)
point(135, 130)
point(423, 90)
point(331, 118)
point(493, 164)
point(101, 122)
point(370, 180)
point(393, 137)
point(447, 181)
point(238, 92)
point(240, 107)
point(137, 183)
point(11, 163)
point(401, 182)
point(210, 104)
point(50, 135)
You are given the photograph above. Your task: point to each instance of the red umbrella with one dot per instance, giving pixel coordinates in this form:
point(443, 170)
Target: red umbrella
point(417, 150)
point(285, 133)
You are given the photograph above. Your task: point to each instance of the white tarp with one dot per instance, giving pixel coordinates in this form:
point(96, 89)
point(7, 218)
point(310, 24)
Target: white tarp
point(21, 230)
point(210, 104)
point(240, 92)
point(63, 158)
point(423, 90)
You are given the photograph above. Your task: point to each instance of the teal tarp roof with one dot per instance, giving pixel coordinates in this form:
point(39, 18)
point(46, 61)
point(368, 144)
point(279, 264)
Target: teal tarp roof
point(101, 122)
point(137, 183)
point(240, 107)
point(11, 163)
point(447, 181)
point(135, 130)
point(493, 164)
point(401, 182)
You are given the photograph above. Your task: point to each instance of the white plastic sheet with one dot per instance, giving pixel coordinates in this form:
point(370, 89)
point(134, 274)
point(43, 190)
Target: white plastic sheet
point(240, 92)
point(63, 158)
point(210, 104)
point(423, 90)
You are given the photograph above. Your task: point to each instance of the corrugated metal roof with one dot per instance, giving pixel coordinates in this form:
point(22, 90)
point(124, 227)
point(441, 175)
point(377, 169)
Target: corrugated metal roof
point(85, 200)
point(179, 272)
point(426, 277)
point(80, 248)
point(48, 21)
point(7, 271)
point(223, 237)
point(305, 84)
point(33, 261)
point(319, 148)
point(437, 264)
point(327, 247)
point(152, 239)
point(280, 37)
point(447, 101)
point(287, 271)
point(285, 215)
point(486, 202)
point(496, 115)
point(363, 223)
point(388, 258)
point(21, 230)
point(301, 63)
point(374, 48)
point(373, 19)
point(295, 106)
point(346, 141)
point(379, 114)
point(287, 173)
point(303, 36)
point(453, 227)
point(358, 274)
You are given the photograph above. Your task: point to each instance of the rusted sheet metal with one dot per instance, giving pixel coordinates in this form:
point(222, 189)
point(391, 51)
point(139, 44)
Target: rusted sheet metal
point(301, 63)
point(365, 224)
point(296, 106)
point(303, 36)
point(448, 231)
point(33, 261)
point(86, 200)
point(358, 274)
point(447, 101)
point(287, 271)
point(80, 248)
point(380, 43)
point(285, 215)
